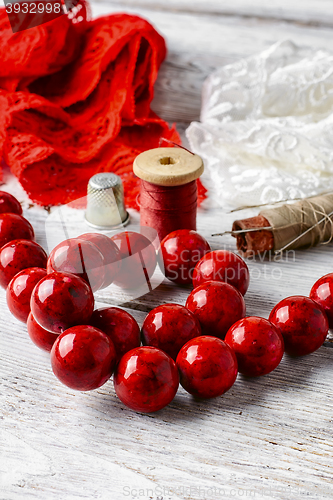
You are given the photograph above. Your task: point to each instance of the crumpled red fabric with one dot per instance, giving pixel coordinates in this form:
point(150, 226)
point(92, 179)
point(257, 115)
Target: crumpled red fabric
point(75, 100)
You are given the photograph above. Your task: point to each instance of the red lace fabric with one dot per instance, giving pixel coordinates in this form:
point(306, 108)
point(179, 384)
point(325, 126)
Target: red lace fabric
point(75, 100)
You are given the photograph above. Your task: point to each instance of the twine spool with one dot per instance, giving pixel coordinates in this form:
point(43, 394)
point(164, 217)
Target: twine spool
point(168, 195)
point(303, 224)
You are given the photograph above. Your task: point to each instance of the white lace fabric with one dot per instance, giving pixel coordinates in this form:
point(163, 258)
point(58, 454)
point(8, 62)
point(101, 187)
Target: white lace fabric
point(266, 129)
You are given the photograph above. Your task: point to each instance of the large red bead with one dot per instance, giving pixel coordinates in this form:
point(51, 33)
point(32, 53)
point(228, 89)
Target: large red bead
point(78, 257)
point(180, 251)
point(120, 326)
point(41, 338)
point(110, 252)
point(62, 300)
point(322, 293)
point(217, 306)
point(222, 265)
point(83, 358)
point(9, 204)
point(18, 255)
point(146, 379)
point(138, 259)
point(20, 289)
point(302, 322)
point(14, 227)
point(258, 345)
point(207, 367)
point(169, 327)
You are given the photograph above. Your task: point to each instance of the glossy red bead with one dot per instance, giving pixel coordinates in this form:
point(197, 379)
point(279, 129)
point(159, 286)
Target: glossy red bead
point(60, 301)
point(146, 379)
point(19, 291)
point(14, 227)
point(180, 252)
point(83, 358)
point(40, 337)
point(169, 327)
point(217, 306)
point(138, 259)
point(119, 326)
point(322, 293)
point(222, 265)
point(110, 252)
point(302, 322)
point(207, 367)
point(258, 345)
point(78, 257)
point(9, 204)
point(18, 255)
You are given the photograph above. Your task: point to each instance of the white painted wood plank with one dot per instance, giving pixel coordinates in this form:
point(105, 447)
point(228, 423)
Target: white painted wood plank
point(199, 43)
point(305, 11)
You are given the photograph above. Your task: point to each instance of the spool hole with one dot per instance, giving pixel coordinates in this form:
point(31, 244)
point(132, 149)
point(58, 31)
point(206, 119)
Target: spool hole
point(167, 160)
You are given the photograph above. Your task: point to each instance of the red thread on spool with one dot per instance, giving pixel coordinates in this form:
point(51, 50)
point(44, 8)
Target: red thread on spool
point(168, 196)
point(168, 208)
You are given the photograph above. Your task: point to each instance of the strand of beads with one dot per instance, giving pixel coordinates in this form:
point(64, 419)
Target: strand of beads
point(203, 345)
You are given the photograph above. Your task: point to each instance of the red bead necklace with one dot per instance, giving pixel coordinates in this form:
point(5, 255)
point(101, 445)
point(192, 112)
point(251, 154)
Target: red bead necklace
point(202, 345)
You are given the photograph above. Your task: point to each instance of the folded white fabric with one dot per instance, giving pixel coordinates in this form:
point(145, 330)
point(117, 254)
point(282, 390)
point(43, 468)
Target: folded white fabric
point(266, 129)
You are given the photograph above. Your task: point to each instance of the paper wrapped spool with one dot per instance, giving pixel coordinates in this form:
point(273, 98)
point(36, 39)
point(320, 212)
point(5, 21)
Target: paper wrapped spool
point(303, 224)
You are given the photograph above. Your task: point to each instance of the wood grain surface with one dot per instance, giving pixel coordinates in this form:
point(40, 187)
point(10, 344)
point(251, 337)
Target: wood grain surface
point(269, 437)
point(306, 11)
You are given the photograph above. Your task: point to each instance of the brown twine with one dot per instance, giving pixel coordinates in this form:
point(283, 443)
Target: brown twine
point(306, 223)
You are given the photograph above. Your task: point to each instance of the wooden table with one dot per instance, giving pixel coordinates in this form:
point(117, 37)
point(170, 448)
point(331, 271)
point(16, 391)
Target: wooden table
point(266, 438)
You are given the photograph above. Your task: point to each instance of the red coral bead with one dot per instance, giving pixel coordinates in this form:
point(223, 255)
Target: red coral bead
point(146, 379)
point(138, 257)
point(169, 327)
point(222, 265)
point(40, 337)
point(18, 255)
point(110, 252)
point(83, 358)
point(302, 322)
point(78, 257)
point(62, 300)
point(217, 306)
point(322, 293)
point(258, 345)
point(14, 227)
point(119, 326)
point(207, 367)
point(9, 204)
point(180, 251)
point(20, 289)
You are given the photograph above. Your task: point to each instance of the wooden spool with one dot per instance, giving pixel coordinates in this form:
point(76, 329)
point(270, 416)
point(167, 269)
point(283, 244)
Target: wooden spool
point(175, 171)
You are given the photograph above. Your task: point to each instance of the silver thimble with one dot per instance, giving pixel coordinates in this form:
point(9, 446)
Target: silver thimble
point(105, 202)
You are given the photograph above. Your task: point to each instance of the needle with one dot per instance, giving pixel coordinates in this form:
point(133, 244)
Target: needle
point(240, 231)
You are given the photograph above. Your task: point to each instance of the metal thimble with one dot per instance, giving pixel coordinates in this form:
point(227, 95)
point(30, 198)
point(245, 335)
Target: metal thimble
point(105, 202)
